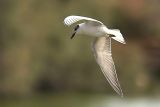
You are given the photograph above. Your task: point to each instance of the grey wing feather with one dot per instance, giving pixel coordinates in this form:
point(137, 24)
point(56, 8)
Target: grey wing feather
point(73, 19)
point(102, 52)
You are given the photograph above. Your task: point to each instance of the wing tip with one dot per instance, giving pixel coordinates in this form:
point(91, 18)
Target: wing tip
point(66, 20)
point(121, 93)
point(118, 90)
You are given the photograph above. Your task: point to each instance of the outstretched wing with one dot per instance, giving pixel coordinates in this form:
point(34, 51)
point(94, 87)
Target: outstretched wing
point(102, 52)
point(73, 19)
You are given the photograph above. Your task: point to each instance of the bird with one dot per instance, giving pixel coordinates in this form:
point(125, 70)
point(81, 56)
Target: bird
point(101, 46)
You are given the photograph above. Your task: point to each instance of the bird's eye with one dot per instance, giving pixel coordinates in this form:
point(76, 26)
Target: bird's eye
point(76, 27)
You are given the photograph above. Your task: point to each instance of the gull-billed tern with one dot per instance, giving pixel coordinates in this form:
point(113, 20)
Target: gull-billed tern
point(101, 45)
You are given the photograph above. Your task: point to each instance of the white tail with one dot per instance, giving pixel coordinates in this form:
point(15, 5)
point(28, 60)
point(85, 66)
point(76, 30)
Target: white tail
point(118, 36)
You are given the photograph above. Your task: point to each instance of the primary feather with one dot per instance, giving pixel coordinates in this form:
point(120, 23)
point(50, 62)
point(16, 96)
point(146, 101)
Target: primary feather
point(102, 51)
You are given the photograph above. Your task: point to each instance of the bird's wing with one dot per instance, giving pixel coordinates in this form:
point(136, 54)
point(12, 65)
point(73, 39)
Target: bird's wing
point(102, 52)
point(73, 19)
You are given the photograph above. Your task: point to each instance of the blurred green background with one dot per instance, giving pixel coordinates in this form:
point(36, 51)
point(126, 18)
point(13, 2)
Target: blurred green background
point(41, 66)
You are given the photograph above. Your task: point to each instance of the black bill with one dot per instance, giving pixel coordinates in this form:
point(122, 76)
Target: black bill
point(73, 35)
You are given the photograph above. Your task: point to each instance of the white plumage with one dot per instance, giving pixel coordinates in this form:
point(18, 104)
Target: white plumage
point(72, 19)
point(101, 46)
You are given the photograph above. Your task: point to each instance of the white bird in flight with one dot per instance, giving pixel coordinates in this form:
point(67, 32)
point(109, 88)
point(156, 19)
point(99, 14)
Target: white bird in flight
point(101, 46)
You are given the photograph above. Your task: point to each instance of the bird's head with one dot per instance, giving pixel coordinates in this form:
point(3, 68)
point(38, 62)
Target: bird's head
point(75, 31)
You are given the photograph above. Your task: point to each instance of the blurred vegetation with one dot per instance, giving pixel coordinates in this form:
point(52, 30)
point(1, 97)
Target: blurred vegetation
point(37, 55)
